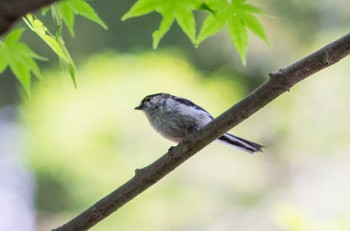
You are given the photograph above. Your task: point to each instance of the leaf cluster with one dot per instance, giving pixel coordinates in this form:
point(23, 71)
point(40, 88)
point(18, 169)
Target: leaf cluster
point(22, 60)
point(237, 15)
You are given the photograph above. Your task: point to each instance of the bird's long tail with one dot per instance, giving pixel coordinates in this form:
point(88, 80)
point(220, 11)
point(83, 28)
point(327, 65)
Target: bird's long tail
point(241, 143)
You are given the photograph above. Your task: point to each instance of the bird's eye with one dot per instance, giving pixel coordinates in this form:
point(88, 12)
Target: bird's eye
point(148, 99)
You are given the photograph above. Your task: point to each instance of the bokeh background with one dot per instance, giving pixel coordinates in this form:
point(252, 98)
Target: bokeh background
point(63, 149)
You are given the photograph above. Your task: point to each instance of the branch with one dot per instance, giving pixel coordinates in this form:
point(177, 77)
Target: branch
point(12, 10)
point(279, 82)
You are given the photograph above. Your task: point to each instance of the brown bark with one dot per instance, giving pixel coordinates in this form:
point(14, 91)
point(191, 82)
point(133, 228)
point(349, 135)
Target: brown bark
point(12, 10)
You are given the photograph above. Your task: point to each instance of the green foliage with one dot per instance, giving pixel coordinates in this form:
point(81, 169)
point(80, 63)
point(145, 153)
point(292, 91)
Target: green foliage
point(67, 10)
point(20, 58)
point(237, 15)
point(180, 10)
point(54, 42)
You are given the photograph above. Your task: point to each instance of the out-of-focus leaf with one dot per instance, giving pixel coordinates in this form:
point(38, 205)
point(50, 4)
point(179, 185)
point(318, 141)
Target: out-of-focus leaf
point(44, 10)
point(22, 73)
point(14, 36)
point(20, 58)
point(55, 43)
point(67, 15)
point(24, 50)
point(3, 57)
point(251, 9)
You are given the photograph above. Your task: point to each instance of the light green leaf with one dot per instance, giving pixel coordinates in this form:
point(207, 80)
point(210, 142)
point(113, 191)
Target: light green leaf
point(38, 27)
point(22, 73)
point(251, 9)
point(179, 10)
point(142, 7)
point(71, 70)
point(211, 26)
point(67, 15)
point(20, 58)
point(163, 28)
point(187, 23)
point(238, 16)
point(3, 57)
point(24, 50)
point(55, 43)
point(239, 36)
point(44, 10)
point(14, 36)
point(255, 26)
point(84, 9)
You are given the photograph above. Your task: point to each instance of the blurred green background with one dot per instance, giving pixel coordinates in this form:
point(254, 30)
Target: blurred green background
point(80, 144)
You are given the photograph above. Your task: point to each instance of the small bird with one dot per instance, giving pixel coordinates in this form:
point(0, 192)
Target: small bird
point(174, 118)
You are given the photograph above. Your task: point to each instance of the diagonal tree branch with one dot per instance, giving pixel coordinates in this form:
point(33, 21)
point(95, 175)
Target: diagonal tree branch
point(279, 82)
point(12, 10)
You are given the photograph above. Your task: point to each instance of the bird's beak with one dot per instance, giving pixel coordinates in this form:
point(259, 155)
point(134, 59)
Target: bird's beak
point(140, 107)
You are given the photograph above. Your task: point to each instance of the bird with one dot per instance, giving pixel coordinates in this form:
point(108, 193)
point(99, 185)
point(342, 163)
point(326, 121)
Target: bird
point(174, 118)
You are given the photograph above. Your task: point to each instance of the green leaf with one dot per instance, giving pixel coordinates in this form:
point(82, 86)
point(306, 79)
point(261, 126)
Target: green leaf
point(187, 23)
point(3, 57)
point(14, 36)
point(170, 10)
point(211, 26)
point(44, 10)
point(204, 6)
point(84, 9)
point(65, 10)
point(238, 16)
point(142, 7)
point(24, 50)
point(55, 43)
point(163, 28)
point(71, 70)
point(215, 21)
point(38, 27)
point(67, 15)
point(239, 36)
point(20, 58)
point(255, 26)
point(22, 73)
point(251, 9)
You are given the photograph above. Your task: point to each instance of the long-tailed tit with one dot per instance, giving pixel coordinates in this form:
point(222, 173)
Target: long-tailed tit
point(174, 118)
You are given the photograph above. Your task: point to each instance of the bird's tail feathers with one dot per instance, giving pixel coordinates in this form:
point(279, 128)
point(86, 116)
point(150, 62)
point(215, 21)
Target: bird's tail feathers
point(241, 143)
